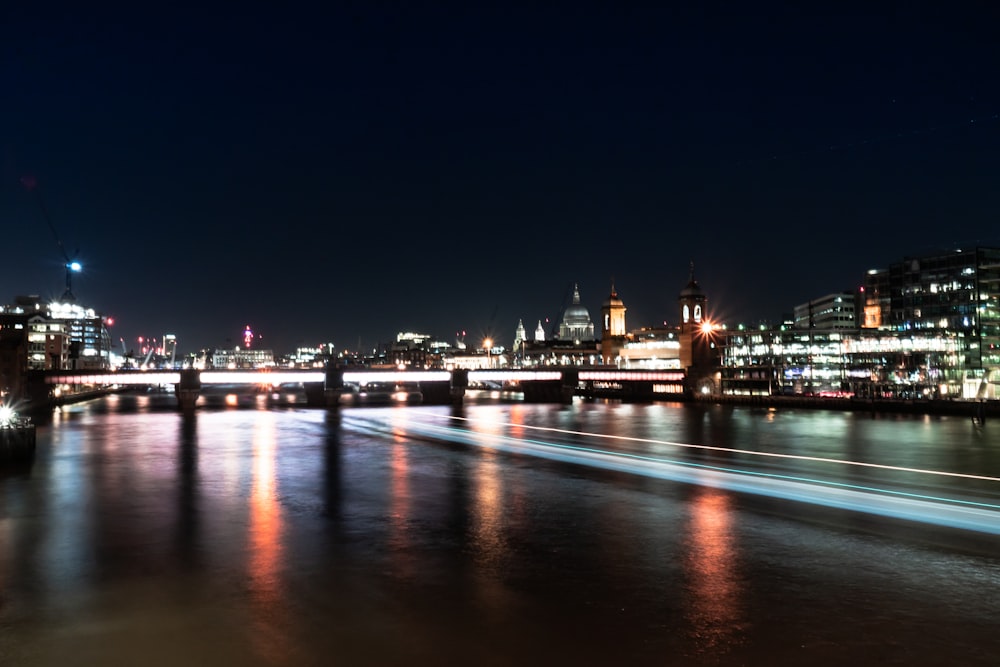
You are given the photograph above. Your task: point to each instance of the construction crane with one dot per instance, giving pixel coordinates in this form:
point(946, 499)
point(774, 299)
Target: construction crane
point(71, 264)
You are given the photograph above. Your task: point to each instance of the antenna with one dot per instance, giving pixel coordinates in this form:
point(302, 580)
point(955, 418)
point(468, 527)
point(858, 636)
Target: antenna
point(71, 264)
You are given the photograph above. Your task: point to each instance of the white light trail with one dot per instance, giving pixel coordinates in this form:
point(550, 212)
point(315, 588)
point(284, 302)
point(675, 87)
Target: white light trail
point(951, 512)
point(731, 450)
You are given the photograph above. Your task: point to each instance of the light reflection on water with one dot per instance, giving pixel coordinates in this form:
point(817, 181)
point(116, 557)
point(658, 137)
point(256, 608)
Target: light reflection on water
point(269, 610)
point(299, 537)
point(712, 562)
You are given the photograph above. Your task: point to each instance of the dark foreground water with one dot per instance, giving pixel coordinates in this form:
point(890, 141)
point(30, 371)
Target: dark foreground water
point(512, 534)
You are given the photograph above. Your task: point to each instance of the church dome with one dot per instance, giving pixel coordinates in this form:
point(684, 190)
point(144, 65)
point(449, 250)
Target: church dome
point(576, 315)
point(576, 323)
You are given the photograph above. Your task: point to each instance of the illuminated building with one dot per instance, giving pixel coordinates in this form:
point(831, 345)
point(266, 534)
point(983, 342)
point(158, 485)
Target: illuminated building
point(576, 325)
point(833, 311)
point(170, 346)
point(48, 344)
point(54, 336)
point(242, 358)
point(650, 348)
point(416, 350)
point(931, 329)
point(955, 294)
point(612, 327)
point(58, 335)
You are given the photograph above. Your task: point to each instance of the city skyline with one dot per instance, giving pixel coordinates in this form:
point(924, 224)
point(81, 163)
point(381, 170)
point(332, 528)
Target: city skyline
point(342, 174)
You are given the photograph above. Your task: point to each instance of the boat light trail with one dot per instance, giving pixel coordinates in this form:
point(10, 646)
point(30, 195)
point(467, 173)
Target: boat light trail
point(950, 512)
point(731, 450)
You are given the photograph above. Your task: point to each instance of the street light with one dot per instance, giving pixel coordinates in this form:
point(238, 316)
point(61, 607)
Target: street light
point(488, 345)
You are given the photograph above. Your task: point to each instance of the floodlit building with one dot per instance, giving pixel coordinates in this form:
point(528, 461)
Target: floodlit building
point(613, 333)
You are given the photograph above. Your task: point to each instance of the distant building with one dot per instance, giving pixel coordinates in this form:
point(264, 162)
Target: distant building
point(418, 351)
point(242, 358)
point(833, 311)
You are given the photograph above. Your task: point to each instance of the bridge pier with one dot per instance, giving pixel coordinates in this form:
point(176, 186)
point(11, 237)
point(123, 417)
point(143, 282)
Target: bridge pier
point(188, 389)
point(326, 394)
point(570, 377)
point(333, 386)
point(459, 383)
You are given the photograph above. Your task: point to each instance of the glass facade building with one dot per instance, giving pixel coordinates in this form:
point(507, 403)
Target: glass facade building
point(930, 329)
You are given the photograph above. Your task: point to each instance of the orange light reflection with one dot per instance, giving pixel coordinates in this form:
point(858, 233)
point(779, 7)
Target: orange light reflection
point(268, 607)
point(714, 582)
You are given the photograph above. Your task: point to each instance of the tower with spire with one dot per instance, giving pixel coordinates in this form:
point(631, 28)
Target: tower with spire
point(692, 302)
point(520, 338)
point(699, 354)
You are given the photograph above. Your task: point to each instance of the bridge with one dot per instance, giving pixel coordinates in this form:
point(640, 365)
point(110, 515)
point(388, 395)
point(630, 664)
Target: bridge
point(330, 386)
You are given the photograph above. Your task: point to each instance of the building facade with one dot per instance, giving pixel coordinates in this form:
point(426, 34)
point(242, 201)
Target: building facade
point(832, 311)
point(930, 329)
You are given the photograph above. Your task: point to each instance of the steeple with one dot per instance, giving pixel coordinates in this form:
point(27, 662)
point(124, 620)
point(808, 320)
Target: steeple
point(692, 304)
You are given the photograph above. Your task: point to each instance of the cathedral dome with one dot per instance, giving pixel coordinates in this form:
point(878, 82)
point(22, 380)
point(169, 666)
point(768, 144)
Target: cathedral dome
point(576, 314)
point(576, 323)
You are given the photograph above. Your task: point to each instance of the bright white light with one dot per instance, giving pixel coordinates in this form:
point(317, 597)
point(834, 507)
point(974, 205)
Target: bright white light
point(6, 415)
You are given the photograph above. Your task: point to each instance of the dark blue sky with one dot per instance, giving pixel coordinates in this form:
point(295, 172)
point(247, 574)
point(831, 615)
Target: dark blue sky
point(349, 172)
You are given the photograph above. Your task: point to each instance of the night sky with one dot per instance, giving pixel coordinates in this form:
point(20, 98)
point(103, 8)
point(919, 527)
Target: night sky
point(341, 174)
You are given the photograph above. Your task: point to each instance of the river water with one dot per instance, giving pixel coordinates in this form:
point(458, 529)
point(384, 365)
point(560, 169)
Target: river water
point(591, 534)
